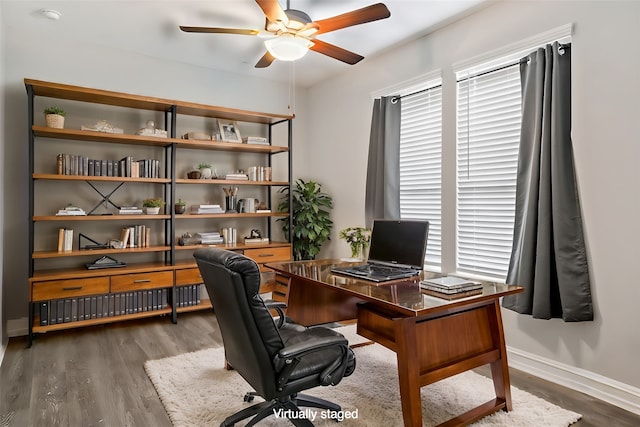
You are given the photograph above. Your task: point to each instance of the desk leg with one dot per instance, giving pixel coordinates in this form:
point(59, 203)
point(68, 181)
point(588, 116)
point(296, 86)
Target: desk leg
point(500, 367)
point(408, 371)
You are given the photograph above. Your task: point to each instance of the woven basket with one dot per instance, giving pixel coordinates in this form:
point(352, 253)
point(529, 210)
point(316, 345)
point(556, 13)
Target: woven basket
point(55, 121)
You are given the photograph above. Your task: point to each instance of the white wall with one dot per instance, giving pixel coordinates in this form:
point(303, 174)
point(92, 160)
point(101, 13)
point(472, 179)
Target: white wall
point(81, 65)
point(605, 134)
point(3, 332)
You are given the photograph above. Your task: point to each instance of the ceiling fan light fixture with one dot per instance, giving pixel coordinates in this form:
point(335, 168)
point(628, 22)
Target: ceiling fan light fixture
point(288, 47)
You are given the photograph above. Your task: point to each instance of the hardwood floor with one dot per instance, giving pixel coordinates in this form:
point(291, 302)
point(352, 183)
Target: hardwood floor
point(95, 376)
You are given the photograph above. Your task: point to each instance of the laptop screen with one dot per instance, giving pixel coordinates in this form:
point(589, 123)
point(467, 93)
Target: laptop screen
point(399, 242)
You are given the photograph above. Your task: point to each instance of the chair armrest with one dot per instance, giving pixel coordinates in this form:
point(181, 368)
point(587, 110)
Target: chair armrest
point(277, 306)
point(314, 342)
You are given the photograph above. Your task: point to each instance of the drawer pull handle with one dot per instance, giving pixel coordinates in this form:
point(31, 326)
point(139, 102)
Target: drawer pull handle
point(72, 288)
point(265, 255)
point(142, 281)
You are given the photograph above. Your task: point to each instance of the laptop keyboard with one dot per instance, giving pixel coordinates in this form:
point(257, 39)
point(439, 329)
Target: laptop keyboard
point(381, 270)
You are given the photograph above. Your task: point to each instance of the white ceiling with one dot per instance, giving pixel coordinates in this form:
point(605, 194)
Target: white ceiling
point(150, 27)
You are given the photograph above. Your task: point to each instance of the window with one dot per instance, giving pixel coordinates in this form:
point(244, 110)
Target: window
point(488, 133)
point(420, 164)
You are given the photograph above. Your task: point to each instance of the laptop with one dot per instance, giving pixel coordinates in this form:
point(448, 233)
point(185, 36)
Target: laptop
point(397, 251)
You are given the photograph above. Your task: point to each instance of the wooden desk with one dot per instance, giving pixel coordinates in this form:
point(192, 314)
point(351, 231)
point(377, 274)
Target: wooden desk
point(433, 338)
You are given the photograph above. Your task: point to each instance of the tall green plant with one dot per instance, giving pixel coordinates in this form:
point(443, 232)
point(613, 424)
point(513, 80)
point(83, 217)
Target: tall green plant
point(312, 222)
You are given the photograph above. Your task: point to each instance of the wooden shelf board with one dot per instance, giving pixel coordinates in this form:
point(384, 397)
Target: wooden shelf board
point(204, 305)
point(114, 217)
point(86, 135)
point(229, 146)
point(89, 252)
point(99, 96)
point(230, 215)
point(230, 182)
point(231, 247)
point(56, 177)
point(98, 321)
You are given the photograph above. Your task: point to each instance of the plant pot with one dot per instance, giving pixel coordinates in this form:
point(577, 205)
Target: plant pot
point(207, 173)
point(194, 175)
point(54, 121)
point(179, 209)
point(152, 210)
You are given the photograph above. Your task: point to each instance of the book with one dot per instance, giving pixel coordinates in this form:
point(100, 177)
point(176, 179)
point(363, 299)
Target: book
point(453, 296)
point(450, 285)
point(254, 240)
point(254, 140)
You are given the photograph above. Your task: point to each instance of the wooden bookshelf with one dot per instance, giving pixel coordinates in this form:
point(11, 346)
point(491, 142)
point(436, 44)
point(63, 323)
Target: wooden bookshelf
point(155, 269)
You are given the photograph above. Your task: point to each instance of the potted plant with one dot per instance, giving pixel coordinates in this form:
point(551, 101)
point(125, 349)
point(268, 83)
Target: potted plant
point(152, 206)
point(310, 210)
point(55, 117)
point(358, 239)
point(180, 206)
point(205, 170)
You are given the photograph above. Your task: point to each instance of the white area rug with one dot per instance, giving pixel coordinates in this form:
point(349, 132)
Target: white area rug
point(196, 390)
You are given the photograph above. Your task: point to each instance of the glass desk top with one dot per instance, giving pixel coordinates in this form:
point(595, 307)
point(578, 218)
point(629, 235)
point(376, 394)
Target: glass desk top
point(404, 295)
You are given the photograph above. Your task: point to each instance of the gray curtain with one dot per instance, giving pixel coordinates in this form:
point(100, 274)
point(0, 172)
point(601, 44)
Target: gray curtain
point(382, 193)
point(548, 256)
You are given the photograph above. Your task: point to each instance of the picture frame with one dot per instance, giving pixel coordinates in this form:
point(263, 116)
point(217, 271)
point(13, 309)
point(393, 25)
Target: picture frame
point(229, 131)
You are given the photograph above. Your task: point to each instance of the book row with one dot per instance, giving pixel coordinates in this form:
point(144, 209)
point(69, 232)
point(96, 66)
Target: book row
point(100, 306)
point(186, 296)
point(71, 164)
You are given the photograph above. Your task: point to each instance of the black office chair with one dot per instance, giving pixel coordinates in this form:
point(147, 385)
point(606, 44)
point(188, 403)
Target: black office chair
point(278, 362)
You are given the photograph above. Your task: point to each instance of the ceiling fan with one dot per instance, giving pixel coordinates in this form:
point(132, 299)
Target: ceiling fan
point(291, 33)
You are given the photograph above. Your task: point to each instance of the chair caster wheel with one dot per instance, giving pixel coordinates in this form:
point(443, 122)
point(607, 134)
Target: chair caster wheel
point(248, 397)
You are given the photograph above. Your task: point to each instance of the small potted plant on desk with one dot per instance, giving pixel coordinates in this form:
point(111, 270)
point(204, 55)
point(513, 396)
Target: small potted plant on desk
point(55, 117)
point(152, 206)
point(180, 207)
point(358, 239)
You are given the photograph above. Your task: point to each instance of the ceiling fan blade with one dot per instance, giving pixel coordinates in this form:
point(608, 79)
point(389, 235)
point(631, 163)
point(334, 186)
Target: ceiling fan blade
point(356, 17)
point(265, 61)
point(187, 29)
point(336, 52)
point(273, 11)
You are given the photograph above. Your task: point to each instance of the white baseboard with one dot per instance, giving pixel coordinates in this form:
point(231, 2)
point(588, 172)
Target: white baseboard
point(17, 327)
point(606, 389)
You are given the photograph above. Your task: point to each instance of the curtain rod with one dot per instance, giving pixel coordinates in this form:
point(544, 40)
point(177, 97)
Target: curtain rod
point(561, 48)
point(395, 98)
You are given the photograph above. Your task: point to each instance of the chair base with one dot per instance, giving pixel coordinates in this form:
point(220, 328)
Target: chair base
point(291, 404)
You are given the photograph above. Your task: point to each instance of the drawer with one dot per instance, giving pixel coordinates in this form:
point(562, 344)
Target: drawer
point(263, 255)
point(130, 282)
point(70, 288)
point(188, 276)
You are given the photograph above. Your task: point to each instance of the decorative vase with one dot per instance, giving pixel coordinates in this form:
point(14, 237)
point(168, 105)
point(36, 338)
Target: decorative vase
point(194, 175)
point(152, 210)
point(179, 209)
point(356, 250)
point(54, 121)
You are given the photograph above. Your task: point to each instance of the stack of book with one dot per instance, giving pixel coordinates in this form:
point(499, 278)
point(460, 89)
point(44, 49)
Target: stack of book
point(206, 209)
point(211, 238)
point(130, 210)
point(449, 287)
point(255, 140)
point(237, 176)
point(71, 210)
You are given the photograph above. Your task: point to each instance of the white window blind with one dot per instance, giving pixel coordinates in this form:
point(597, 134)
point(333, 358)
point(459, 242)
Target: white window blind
point(488, 132)
point(420, 165)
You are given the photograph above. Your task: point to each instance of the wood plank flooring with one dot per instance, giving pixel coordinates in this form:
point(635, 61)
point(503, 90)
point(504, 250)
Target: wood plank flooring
point(95, 376)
